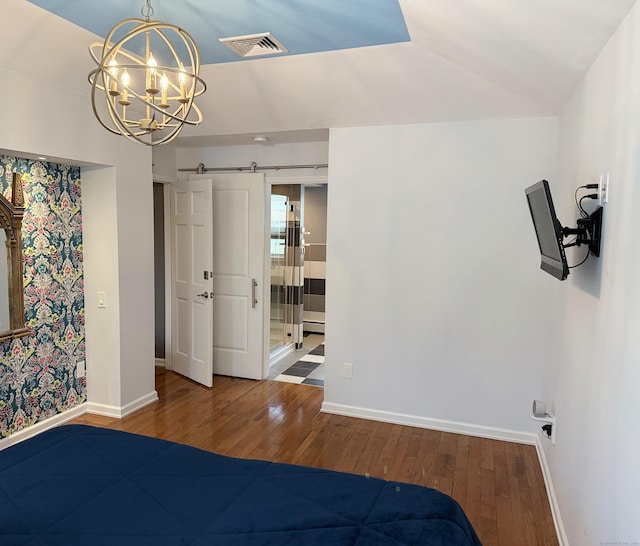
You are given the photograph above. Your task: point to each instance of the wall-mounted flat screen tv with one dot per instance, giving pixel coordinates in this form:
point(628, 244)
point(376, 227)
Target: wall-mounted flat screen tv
point(548, 230)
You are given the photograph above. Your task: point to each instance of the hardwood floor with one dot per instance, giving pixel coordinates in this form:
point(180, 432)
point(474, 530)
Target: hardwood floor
point(498, 484)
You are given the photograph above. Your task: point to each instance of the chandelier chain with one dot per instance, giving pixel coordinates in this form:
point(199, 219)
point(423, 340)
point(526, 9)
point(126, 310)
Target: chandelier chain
point(147, 11)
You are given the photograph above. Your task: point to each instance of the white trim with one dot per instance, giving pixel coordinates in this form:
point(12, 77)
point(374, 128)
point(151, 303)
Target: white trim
point(551, 494)
point(103, 409)
point(296, 179)
point(119, 412)
point(266, 291)
point(164, 179)
point(161, 362)
point(168, 322)
point(77, 411)
point(36, 429)
point(434, 424)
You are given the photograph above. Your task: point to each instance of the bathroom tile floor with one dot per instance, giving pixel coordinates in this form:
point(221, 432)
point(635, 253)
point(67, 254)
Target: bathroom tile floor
point(307, 369)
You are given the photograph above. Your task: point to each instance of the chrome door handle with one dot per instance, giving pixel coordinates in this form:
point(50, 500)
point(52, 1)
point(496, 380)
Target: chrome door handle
point(254, 300)
point(205, 295)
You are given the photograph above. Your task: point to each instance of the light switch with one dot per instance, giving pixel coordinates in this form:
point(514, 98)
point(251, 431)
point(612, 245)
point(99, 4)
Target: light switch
point(102, 300)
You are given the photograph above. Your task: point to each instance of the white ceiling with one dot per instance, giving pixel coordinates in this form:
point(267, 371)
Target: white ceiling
point(466, 60)
point(539, 49)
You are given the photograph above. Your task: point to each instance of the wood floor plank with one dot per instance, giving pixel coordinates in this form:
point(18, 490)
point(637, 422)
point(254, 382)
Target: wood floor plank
point(504, 513)
point(445, 463)
point(525, 497)
point(387, 454)
point(407, 456)
point(461, 470)
point(488, 511)
point(498, 484)
point(427, 453)
point(519, 520)
point(473, 497)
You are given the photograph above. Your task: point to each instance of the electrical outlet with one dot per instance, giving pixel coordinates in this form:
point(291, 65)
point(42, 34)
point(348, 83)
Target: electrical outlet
point(603, 189)
point(347, 370)
point(549, 429)
point(80, 369)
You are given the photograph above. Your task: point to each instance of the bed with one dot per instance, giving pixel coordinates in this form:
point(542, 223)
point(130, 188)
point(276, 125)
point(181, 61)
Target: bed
point(84, 485)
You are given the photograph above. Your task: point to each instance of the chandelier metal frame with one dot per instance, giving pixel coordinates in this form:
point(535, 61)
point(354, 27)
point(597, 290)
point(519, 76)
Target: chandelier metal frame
point(155, 113)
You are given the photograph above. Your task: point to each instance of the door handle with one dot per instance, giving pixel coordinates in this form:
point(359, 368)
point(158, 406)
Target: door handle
point(205, 295)
point(254, 300)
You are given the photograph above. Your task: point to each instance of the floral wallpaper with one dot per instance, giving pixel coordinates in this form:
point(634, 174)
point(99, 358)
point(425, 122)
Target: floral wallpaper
point(37, 372)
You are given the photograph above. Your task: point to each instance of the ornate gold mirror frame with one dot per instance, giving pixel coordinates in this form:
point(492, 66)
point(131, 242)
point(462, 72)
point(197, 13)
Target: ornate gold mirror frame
point(11, 213)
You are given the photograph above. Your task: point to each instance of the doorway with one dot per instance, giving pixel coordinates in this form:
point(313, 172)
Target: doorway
point(159, 272)
point(308, 298)
point(298, 288)
point(286, 270)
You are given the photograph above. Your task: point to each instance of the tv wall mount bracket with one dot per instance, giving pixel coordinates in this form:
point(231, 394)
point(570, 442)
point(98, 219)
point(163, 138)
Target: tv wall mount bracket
point(588, 232)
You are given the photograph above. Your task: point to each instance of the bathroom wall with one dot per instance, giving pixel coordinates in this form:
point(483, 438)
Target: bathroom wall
point(315, 225)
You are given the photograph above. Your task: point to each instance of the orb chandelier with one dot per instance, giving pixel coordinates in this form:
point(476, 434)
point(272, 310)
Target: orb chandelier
point(146, 80)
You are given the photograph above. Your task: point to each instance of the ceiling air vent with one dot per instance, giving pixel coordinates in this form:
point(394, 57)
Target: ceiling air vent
point(254, 45)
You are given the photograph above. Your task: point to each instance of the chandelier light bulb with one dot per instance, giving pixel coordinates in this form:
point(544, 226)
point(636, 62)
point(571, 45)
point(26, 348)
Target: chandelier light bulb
point(152, 76)
point(182, 78)
point(124, 101)
point(113, 83)
point(113, 67)
point(164, 87)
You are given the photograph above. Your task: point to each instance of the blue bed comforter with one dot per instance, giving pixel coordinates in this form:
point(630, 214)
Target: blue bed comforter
point(81, 485)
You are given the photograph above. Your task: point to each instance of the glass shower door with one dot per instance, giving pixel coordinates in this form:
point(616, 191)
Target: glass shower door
point(277, 329)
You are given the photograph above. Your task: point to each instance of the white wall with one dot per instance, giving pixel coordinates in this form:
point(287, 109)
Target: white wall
point(46, 111)
point(433, 286)
point(391, 83)
point(592, 374)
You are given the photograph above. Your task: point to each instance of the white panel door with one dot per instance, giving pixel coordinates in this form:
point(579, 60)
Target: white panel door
point(238, 202)
point(191, 258)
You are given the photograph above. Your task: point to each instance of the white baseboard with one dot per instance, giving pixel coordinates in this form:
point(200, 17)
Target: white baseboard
point(470, 430)
point(51, 422)
point(119, 412)
point(77, 411)
point(434, 424)
point(551, 494)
